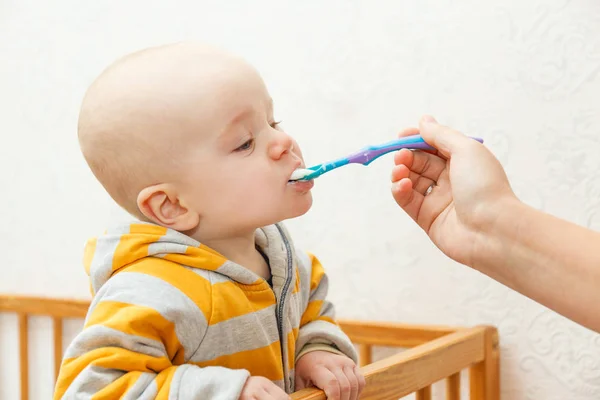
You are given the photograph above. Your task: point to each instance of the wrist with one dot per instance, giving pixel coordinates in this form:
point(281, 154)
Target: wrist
point(498, 231)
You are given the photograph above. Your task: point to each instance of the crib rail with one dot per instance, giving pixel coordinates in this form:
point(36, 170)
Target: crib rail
point(434, 353)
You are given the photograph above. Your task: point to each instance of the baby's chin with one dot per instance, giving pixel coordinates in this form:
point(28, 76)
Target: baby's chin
point(295, 210)
point(301, 206)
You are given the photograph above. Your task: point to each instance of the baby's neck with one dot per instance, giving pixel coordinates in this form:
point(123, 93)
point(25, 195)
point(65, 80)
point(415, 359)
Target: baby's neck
point(242, 250)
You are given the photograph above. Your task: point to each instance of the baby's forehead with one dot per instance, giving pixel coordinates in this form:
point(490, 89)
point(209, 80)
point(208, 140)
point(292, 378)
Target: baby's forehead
point(182, 88)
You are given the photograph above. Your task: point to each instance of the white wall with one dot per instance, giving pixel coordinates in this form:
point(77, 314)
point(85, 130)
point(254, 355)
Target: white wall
point(521, 74)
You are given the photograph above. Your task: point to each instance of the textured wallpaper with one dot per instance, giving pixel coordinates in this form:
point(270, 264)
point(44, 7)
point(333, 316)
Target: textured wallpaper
point(524, 75)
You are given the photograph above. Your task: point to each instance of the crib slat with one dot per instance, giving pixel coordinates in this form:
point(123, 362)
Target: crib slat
point(453, 387)
point(484, 376)
point(365, 354)
point(424, 394)
point(24, 356)
point(58, 333)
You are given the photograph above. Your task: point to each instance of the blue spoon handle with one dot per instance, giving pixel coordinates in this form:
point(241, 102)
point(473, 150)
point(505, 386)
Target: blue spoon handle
point(369, 154)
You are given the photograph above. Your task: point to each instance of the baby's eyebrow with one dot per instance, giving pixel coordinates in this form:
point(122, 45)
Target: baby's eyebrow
point(239, 117)
point(235, 120)
point(243, 114)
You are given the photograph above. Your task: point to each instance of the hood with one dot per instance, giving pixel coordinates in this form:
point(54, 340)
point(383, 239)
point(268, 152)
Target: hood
point(126, 244)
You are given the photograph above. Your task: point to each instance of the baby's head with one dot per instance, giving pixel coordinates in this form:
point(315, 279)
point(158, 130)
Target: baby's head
point(184, 135)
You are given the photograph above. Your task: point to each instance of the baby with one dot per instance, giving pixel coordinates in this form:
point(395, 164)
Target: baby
point(205, 296)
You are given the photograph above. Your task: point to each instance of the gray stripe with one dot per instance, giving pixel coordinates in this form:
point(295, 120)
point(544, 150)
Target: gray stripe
point(172, 242)
point(98, 336)
point(320, 292)
point(91, 380)
point(102, 262)
point(305, 272)
point(325, 333)
point(148, 291)
point(211, 276)
point(276, 252)
point(294, 312)
point(246, 332)
point(327, 310)
point(158, 247)
point(216, 383)
point(178, 237)
point(160, 255)
point(144, 388)
point(237, 272)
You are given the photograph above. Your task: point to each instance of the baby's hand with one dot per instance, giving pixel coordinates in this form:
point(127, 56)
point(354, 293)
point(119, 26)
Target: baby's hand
point(260, 388)
point(338, 376)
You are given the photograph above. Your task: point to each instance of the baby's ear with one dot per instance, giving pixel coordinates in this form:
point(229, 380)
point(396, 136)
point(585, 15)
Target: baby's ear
point(161, 205)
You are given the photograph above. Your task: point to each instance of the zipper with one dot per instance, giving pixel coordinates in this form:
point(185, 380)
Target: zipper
point(280, 309)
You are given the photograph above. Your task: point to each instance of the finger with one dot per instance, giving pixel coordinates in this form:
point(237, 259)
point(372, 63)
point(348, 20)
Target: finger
point(443, 138)
point(428, 165)
point(399, 172)
point(437, 201)
point(352, 381)
point(407, 198)
point(300, 383)
point(420, 183)
point(415, 131)
point(263, 394)
point(325, 380)
point(276, 392)
point(343, 383)
point(409, 132)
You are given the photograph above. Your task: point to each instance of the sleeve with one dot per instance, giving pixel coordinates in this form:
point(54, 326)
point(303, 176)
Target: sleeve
point(138, 334)
point(318, 328)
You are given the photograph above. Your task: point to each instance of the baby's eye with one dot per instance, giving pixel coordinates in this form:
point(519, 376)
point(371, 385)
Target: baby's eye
point(246, 146)
point(275, 125)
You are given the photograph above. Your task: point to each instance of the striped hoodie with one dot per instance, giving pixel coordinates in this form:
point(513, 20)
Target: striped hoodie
point(173, 319)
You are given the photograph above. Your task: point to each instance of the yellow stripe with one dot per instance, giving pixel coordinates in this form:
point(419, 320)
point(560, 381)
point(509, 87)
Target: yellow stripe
point(312, 312)
point(192, 285)
point(230, 301)
point(122, 385)
point(316, 274)
point(163, 381)
point(129, 249)
point(297, 283)
point(127, 360)
point(107, 357)
point(88, 254)
point(145, 229)
point(198, 257)
point(265, 361)
point(136, 320)
point(326, 319)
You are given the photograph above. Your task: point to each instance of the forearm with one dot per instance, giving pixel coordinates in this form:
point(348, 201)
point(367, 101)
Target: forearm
point(552, 261)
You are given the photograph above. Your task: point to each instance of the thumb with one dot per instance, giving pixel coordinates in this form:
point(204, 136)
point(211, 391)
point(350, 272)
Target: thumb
point(301, 382)
point(446, 140)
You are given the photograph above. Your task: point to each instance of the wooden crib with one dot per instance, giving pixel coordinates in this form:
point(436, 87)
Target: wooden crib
point(431, 353)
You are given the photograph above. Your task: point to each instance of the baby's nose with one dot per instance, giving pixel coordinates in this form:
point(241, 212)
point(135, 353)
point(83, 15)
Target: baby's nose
point(282, 143)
